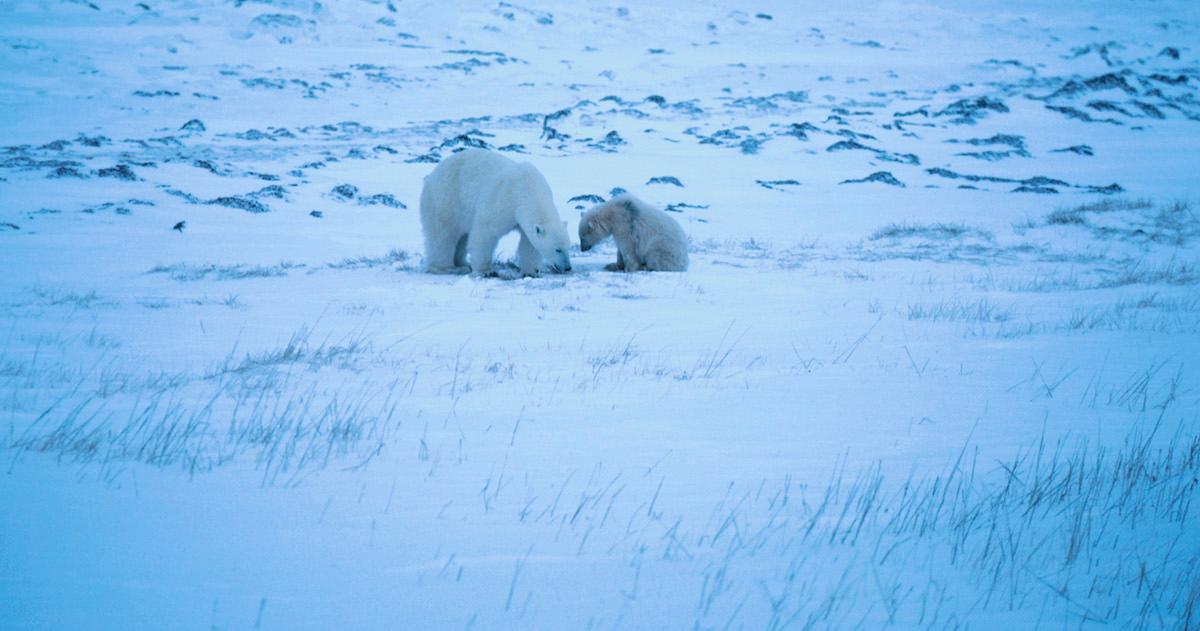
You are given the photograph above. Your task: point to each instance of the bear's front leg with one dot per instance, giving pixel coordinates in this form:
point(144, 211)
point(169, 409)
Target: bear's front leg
point(629, 263)
point(482, 249)
point(618, 266)
point(528, 257)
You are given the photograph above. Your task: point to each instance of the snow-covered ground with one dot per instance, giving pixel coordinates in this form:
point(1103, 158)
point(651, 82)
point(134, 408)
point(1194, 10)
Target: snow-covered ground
point(933, 365)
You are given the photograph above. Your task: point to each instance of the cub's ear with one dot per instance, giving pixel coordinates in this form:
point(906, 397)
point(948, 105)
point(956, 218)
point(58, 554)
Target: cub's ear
point(538, 229)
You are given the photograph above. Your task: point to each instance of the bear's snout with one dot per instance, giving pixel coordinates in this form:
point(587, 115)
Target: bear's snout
point(562, 262)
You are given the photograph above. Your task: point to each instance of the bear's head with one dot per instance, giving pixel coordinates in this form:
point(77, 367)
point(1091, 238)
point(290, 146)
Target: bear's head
point(591, 233)
point(553, 243)
point(538, 218)
point(592, 230)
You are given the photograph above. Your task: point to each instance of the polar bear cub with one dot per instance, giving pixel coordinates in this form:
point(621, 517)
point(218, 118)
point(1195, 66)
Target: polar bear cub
point(475, 197)
point(647, 238)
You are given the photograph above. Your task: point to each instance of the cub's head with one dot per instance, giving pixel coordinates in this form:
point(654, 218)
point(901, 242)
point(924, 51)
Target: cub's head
point(553, 243)
point(592, 229)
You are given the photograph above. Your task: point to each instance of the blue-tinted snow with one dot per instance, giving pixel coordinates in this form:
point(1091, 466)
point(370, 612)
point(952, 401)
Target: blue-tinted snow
point(229, 397)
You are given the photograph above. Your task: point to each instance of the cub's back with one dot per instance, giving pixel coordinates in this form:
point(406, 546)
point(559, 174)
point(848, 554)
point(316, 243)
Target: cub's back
point(657, 223)
point(668, 227)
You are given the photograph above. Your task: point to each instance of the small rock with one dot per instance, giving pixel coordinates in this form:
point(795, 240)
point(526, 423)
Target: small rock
point(1111, 189)
point(345, 191)
point(612, 139)
point(429, 158)
point(241, 203)
point(1083, 150)
point(681, 206)
point(968, 110)
point(776, 184)
point(665, 179)
point(206, 165)
point(273, 190)
point(883, 177)
point(92, 141)
point(382, 199)
point(65, 171)
point(1030, 188)
point(121, 172)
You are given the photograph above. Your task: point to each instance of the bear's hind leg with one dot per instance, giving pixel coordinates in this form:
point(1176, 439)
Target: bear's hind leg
point(440, 254)
point(664, 258)
point(482, 249)
point(460, 252)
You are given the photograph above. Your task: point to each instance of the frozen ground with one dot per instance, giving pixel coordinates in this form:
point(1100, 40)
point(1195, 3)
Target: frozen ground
point(933, 365)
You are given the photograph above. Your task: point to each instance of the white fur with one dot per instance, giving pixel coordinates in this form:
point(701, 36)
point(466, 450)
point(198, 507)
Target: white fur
point(473, 198)
point(647, 238)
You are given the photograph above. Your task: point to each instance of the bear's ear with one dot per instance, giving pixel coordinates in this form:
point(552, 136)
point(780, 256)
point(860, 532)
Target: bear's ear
point(538, 229)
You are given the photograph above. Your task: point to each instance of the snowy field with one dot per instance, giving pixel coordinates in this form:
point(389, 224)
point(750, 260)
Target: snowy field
point(934, 365)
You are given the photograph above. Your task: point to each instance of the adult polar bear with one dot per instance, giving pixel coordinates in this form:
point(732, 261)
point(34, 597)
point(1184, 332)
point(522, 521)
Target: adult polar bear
point(473, 198)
